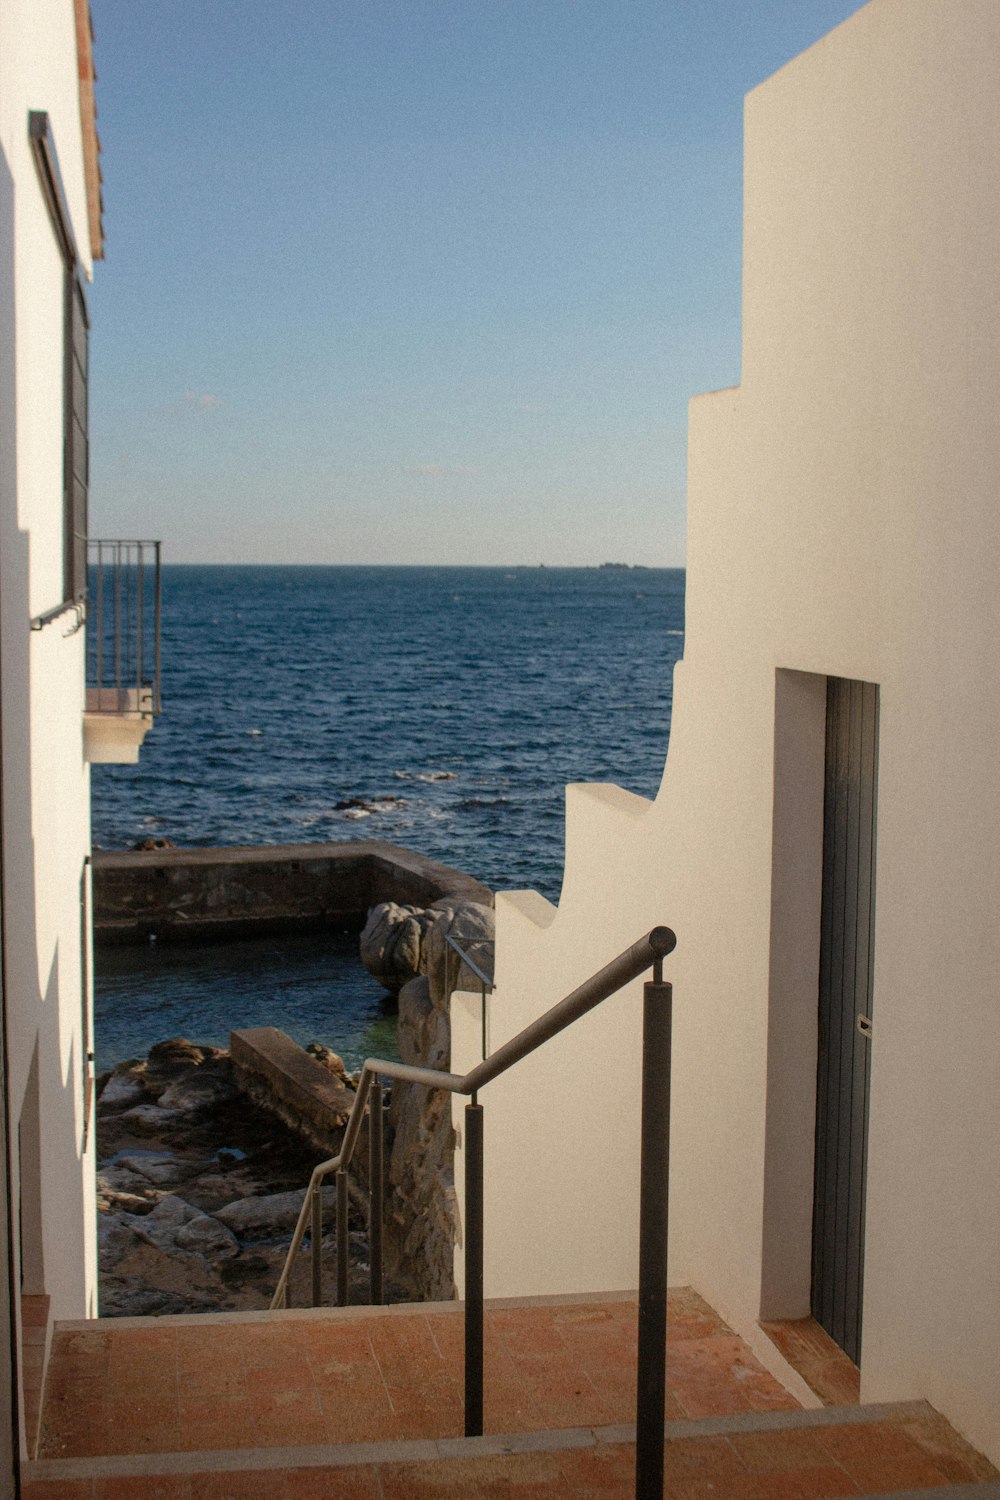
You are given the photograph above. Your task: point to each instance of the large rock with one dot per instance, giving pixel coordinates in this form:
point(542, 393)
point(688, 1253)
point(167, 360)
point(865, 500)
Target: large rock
point(400, 942)
point(158, 1167)
point(420, 1227)
point(161, 1225)
point(266, 1217)
point(115, 1239)
point(415, 1007)
point(178, 1049)
point(110, 1200)
point(117, 1181)
point(422, 1031)
point(123, 1089)
point(148, 1119)
point(126, 1299)
point(392, 942)
point(330, 1060)
point(422, 1220)
point(204, 1235)
point(198, 1092)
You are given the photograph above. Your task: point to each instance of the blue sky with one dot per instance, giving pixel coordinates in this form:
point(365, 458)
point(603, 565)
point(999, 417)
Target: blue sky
point(422, 281)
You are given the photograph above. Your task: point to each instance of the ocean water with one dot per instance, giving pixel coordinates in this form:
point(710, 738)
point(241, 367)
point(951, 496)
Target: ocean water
point(313, 986)
point(441, 708)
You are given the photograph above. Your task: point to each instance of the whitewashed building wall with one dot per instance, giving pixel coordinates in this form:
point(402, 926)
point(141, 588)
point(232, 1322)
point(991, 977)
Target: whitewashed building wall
point(843, 522)
point(46, 807)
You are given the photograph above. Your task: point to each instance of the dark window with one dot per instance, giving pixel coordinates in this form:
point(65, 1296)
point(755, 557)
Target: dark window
point(76, 456)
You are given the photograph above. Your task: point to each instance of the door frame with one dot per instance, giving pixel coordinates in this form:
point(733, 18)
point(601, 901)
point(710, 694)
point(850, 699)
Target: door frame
point(790, 1085)
point(847, 953)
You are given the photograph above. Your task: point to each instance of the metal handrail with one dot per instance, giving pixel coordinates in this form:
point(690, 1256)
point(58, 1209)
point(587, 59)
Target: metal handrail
point(648, 951)
point(626, 967)
point(486, 980)
point(652, 1196)
point(453, 973)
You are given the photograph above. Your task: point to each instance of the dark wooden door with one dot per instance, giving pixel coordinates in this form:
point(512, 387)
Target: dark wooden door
point(845, 1009)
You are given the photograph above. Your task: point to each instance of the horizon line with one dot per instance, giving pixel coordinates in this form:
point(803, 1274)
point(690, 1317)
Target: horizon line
point(494, 567)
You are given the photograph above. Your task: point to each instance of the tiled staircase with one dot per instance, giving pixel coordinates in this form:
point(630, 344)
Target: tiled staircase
point(367, 1404)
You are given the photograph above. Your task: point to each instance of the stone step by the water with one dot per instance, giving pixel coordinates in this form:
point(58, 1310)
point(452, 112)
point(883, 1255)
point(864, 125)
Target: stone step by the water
point(271, 1069)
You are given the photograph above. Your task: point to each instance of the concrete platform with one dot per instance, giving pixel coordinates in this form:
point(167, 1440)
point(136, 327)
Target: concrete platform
point(197, 895)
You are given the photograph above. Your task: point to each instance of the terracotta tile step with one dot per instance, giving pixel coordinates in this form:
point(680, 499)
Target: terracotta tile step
point(905, 1450)
point(367, 1403)
point(811, 1351)
point(358, 1375)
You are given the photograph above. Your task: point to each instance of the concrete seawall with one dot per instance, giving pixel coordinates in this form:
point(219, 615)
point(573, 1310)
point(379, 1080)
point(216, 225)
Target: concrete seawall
point(189, 895)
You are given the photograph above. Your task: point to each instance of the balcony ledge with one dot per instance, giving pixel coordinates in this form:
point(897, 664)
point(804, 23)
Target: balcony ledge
point(115, 723)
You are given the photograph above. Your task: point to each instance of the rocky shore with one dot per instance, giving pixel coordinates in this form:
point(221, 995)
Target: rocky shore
point(198, 1191)
point(201, 1173)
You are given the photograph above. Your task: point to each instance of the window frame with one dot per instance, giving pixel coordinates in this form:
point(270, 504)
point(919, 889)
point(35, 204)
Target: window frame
point(76, 357)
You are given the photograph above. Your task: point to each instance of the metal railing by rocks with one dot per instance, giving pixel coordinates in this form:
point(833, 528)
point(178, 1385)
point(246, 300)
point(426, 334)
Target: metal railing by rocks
point(479, 957)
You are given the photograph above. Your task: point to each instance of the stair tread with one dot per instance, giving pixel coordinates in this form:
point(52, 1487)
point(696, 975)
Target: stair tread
point(558, 1463)
point(162, 1385)
point(302, 1404)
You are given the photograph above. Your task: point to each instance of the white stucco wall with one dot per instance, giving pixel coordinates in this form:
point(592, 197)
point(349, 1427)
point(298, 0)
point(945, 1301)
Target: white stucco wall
point(843, 522)
point(46, 782)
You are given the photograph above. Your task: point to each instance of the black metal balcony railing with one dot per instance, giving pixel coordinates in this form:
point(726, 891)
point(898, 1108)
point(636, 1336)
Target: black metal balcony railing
point(123, 627)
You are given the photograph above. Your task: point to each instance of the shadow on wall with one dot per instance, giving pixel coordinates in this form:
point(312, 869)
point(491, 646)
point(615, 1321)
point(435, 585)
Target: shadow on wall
point(33, 1073)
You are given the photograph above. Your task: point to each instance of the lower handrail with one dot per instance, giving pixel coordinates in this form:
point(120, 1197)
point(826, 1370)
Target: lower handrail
point(650, 950)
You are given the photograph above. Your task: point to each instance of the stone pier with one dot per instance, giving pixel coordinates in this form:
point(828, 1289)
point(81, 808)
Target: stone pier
point(194, 895)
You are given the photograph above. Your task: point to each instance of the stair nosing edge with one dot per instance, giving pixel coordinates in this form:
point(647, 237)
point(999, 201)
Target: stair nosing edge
point(337, 1314)
point(423, 1450)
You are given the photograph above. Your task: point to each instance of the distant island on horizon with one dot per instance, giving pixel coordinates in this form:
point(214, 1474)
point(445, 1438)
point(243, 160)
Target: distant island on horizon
point(613, 567)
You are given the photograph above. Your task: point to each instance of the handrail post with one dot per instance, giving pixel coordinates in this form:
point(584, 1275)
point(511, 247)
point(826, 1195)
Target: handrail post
point(474, 1268)
point(118, 623)
point(342, 1237)
point(100, 621)
point(654, 1185)
point(483, 991)
point(156, 630)
point(140, 606)
point(375, 1126)
point(316, 1236)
